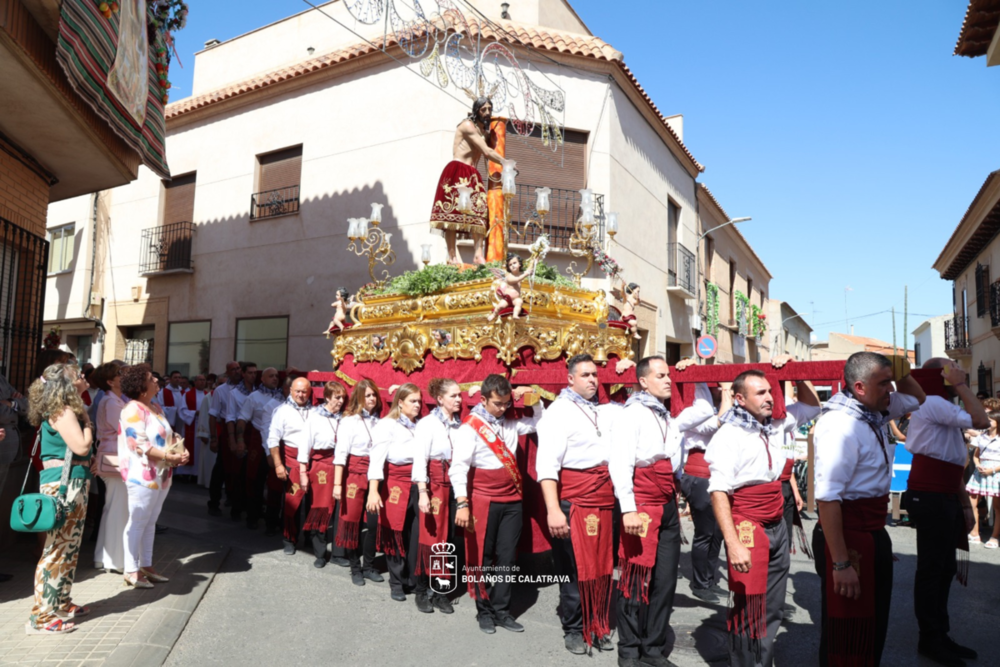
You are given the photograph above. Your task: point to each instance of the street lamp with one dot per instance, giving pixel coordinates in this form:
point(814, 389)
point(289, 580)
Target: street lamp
point(697, 258)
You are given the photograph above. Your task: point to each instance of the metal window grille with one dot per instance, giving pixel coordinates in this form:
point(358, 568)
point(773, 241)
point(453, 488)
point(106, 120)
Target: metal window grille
point(138, 351)
point(167, 248)
point(272, 203)
point(24, 259)
point(680, 267)
point(982, 288)
point(956, 336)
point(559, 223)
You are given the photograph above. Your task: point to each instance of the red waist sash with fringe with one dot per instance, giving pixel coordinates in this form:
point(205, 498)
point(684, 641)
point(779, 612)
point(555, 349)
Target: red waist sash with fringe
point(592, 497)
point(937, 476)
point(850, 624)
point(752, 507)
point(321, 486)
point(653, 487)
point(484, 487)
point(786, 472)
point(696, 465)
point(395, 492)
point(434, 524)
point(293, 491)
point(352, 503)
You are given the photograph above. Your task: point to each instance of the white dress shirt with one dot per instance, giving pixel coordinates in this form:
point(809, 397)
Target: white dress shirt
point(220, 401)
point(640, 438)
point(392, 442)
point(737, 457)
point(434, 443)
point(236, 400)
point(289, 423)
point(354, 438)
point(170, 411)
point(257, 410)
point(800, 414)
point(568, 438)
point(323, 434)
point(848, 458)
point(936, 431)
point(989, 447)
point(187, 415)
point(471, 452)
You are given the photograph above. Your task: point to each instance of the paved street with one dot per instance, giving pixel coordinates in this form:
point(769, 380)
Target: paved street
point(254, 605)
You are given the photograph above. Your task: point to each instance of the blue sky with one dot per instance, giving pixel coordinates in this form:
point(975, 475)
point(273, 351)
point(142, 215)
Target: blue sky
point(846, 129)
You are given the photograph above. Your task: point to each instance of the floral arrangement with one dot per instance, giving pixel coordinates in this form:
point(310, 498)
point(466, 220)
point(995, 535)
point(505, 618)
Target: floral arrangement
point(166, 16)
point(53, 339)
point(434, 278)
point(606, 262)
point(758, 323)
point(711, 308)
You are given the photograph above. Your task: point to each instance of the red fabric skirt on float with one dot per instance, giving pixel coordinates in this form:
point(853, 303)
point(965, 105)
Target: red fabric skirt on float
point(445, 215)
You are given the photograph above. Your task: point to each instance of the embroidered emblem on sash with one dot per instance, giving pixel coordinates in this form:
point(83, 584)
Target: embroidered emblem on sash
point(435, 506)
point(855, 558)
point(592, 522)
point(394, 494)
point(352, 490)
point(295, 488)
point(746, 533)
point(645, 518)
point(321, 477)
point(471, 526)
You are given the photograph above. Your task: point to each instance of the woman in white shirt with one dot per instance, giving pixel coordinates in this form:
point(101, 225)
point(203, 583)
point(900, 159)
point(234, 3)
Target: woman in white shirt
point(985, 479)
point(436, 497)
point(391, 492)
point(109, 552)
point(316, 465)
point(354, 443)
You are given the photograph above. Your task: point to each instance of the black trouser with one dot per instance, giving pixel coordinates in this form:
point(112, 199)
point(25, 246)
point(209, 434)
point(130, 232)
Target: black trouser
point(707, 542)
point(366, 544)
point(424, 580)
point(570, 608)
point(789, 510)
point(938, 518)
point(882, 584)
point(741, 649)
point(503, 532)
point(238, 503)
point(642, 627)
point(216, 483)
point(255, 489)
point(401, 568)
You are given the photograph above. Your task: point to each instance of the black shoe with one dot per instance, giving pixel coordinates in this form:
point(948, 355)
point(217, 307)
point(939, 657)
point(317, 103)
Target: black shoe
point(574, 643)
point(628, 662)
point(937, 651)
point(319, 563)
point(289, 549)
point(398, 596)
point(603, 643)
point(442, 604)
point(161, 529)
point(705, 595)
point(507, 622)
point(5, 577)
point(342, 562)
point(252, 524)
point(655, 661)
point(719, 590)
point(957, 649)
point(357, 579)
point(487, 624)
point(424, 605)
point(214, 511)
point(373, 575)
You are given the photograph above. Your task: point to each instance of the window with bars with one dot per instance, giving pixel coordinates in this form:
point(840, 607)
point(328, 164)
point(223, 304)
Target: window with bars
point(278, 177)
point(62, 245)
point(982, 288)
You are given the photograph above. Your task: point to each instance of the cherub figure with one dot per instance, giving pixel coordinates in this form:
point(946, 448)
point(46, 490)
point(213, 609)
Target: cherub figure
point(508, 287)
point(342, 303)
point(629, 304)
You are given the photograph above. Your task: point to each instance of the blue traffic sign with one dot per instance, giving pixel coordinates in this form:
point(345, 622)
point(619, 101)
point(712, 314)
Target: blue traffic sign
point(706, 347)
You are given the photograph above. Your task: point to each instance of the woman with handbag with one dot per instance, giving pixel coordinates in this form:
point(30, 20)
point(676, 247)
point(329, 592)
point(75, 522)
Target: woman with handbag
point(109, 552)
point(55, 407)
point(147, 464)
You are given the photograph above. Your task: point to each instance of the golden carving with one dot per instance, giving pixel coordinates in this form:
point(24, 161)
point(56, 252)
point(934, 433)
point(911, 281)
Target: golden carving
point(592, 522)
point(745, 530)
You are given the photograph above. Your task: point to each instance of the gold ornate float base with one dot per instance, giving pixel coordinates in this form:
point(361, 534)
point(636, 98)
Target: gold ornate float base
point(453, 324)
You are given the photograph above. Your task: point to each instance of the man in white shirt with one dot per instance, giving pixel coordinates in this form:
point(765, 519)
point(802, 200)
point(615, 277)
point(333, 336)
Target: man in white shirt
point(746, 458)
point(237, 396)
point(290, 430)
point(939, 506)
point(645, 448)
point(223, 472)
point(574, 448)
point(853, 471)
point(187, 417)
point(251, 426)
point(488, 492)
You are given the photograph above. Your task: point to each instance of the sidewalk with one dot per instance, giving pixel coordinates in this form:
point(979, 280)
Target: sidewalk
point(125, 626)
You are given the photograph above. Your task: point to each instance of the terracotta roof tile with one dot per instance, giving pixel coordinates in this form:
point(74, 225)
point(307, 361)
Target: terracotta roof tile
point(545, 39)
point(872, 344)
point(988, 228)
point(978, 28)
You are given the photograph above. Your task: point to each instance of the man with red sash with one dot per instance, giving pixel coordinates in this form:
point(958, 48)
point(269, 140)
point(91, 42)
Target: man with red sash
point(939, 506)
point(171, 398)
point(488, 491)
point(187, 414)
point(223, 472)
point(646, 444)
point(290, 430)
point(251, 427)
point(574, 448)
point(853, 471)
point(745, 459)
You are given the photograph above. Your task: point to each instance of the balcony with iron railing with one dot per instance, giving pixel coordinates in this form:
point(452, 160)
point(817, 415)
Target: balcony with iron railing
point(995, 306)
point(274, 203)
point(680, 269)
point(956, 336)
point(167, 249)
point(564, 210)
